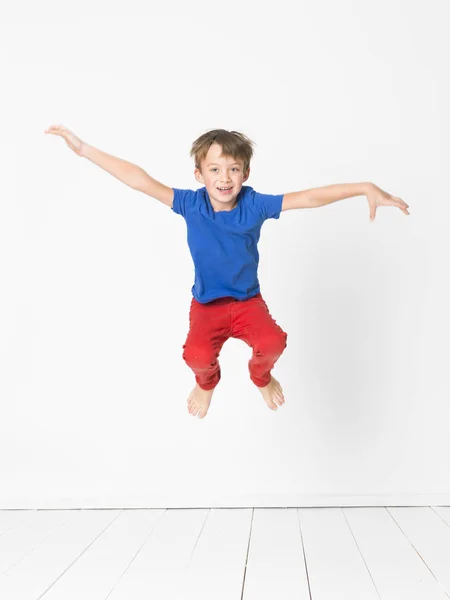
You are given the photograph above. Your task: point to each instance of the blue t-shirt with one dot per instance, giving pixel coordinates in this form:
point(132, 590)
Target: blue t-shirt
point(223, 244)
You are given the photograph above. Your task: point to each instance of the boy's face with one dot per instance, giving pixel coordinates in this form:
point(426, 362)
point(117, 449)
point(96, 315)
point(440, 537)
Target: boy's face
point(218, 171)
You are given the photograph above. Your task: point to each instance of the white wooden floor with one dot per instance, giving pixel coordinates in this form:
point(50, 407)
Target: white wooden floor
point(226, 554)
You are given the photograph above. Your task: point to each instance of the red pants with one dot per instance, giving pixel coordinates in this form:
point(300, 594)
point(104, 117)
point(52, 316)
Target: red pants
point(211, 324)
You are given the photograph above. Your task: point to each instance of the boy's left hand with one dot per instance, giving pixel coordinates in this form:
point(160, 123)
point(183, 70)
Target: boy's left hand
point(378, 197)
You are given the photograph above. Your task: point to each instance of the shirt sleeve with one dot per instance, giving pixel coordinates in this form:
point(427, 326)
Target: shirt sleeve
point(269, 205)
point(182, 201)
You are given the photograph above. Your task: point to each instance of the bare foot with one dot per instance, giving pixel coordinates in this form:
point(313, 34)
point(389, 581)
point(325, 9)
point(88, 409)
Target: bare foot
point(199, 401)
point(272, 394)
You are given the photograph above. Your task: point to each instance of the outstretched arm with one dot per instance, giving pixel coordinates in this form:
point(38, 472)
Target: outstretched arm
point(127, 172)
point(321, 196)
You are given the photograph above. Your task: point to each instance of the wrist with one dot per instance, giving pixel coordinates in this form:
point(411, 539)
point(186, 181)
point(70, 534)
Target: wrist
point(367, 187)
point(84, 149)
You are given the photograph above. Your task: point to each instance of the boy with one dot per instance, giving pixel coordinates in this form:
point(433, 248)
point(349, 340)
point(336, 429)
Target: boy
point(224, 220)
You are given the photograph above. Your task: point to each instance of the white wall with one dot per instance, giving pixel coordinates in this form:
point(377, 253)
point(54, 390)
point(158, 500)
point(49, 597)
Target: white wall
point(96, 277)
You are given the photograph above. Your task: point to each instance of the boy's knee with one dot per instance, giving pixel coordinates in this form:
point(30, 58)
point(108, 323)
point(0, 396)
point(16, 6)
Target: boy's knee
point(281, 342)
point(274, 343)
point(198, 356)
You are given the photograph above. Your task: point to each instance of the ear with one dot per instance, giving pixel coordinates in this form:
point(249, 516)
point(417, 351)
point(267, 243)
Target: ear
point(247, 175)
point(198, 175)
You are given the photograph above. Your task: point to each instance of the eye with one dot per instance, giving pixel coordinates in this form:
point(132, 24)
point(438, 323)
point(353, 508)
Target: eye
point(215, 169)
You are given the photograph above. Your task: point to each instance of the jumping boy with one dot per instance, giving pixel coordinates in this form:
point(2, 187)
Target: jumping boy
point(224, 219)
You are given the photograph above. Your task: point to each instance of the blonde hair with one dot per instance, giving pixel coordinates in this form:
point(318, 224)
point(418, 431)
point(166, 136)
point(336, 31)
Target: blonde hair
point(233, 143)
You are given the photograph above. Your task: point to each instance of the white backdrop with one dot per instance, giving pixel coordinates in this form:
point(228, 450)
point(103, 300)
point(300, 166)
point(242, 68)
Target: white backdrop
point(96, 277)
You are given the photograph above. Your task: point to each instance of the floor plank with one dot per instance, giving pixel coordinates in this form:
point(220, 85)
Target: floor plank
point(96, 572)
point(275, 566)
point(336, 568)
point(38, 571)
point(217, 567)
point(10, 518)
point(28, 534)
point(158, 570)
point(397, 570)
point(430, 536)
point(443, 512)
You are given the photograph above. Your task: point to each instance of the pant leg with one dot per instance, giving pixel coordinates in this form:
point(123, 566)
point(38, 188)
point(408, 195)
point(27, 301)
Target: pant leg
point(252, 323)
point(209, 328)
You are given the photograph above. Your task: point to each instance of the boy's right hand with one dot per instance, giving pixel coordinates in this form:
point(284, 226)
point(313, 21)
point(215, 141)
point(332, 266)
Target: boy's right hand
point(71, 139)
